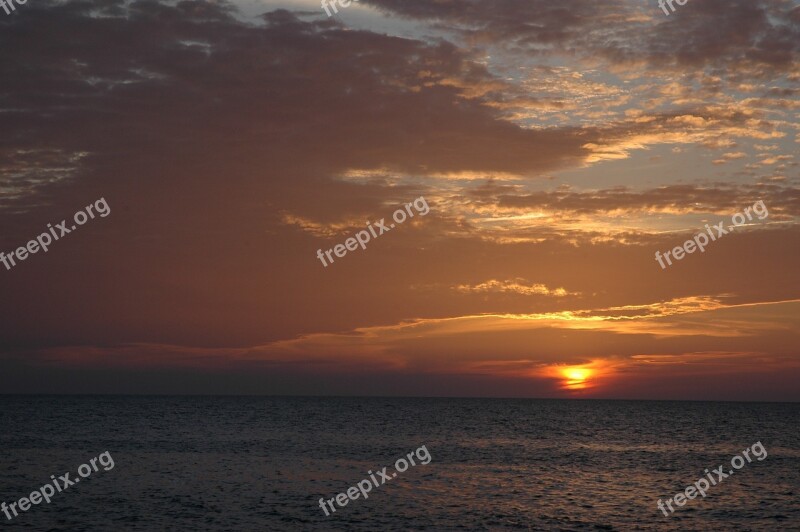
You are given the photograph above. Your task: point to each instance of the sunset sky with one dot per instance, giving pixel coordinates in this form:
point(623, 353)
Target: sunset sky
point(559, 145)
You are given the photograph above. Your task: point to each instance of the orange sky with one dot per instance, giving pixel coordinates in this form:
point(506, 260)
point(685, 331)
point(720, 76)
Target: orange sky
point(559, 146)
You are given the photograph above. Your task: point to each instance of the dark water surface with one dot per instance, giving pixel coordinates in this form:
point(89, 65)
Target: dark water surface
point(248, 463)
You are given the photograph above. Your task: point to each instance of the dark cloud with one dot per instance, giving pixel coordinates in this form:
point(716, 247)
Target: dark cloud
point(200, 130)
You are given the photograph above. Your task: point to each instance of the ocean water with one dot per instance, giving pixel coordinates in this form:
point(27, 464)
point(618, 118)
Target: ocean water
point(251, 463)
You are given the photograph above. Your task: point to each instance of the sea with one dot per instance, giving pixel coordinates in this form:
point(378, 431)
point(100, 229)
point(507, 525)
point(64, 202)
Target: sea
point(263, 463)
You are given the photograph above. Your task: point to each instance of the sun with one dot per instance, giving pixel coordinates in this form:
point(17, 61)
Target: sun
point(579, 378)
point(575, 378)
point(577, 374)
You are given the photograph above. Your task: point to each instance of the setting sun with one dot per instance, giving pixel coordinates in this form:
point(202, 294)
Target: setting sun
point(577, 374)
point(575, 378)
point(590, 375)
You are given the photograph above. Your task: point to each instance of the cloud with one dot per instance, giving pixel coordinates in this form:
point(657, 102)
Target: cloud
point(517, 286)
point(759, 36)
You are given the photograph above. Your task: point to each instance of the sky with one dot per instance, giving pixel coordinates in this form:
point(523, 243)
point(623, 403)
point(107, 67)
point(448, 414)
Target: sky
point(557, 146)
